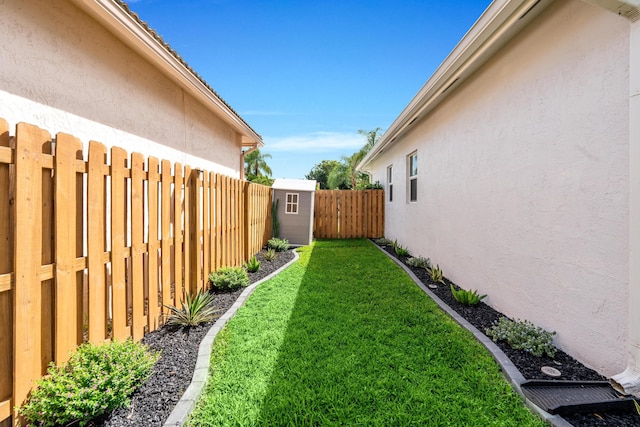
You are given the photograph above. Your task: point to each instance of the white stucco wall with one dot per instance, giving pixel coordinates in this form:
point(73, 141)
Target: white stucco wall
point(523, 182)
point(64, 72)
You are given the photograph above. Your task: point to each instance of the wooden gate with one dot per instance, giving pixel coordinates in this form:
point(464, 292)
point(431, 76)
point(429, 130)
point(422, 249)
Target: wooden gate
point(348, 214)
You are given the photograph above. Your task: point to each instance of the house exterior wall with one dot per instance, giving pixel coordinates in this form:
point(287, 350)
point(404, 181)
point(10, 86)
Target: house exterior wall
point(523, 181)
point(64, 72)
point(296, 228)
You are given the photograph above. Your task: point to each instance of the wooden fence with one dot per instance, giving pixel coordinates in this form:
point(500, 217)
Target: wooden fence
point(91, 250)
point(348, 214)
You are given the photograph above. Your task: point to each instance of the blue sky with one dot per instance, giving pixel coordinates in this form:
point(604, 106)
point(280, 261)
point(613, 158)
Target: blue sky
point(307, 75)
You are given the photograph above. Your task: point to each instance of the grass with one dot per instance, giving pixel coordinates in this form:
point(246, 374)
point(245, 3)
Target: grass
point(344, 338)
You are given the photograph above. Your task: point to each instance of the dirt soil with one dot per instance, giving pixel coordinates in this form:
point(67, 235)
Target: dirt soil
point(482, 317)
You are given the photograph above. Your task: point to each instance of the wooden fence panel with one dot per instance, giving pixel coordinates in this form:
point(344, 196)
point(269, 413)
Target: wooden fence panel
point(348, 214)
point(6, 268)
point(165, 233)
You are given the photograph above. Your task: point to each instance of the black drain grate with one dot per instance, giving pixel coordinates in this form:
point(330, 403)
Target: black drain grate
point(563, 397)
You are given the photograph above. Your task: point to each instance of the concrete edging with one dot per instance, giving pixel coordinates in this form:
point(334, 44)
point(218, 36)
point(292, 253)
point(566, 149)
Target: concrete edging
point(187, 402)
point(512, 374)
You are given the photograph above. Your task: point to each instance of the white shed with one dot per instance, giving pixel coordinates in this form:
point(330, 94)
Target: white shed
point(295, 209)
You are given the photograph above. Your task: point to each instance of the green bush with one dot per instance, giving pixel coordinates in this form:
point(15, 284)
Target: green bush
point(400, 250)
point(466, 297)
point(436, 274)
point(252, 265)
point(280, 245)
point(229, 278)
point(95, 380)
point(195, 310)
point(523, 335)
point(419, 262)
point(383, 242)
point(270, 254)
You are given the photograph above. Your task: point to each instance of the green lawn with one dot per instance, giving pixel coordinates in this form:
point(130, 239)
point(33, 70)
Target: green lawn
point(345, 338)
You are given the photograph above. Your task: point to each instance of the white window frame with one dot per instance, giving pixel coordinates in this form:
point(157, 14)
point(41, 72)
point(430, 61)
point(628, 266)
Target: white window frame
point(292, 205)
point(390, 182)
point(412, 176)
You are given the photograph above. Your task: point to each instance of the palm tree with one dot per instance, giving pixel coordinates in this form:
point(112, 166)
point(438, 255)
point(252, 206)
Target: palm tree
point(372, 137)
point(255, 164)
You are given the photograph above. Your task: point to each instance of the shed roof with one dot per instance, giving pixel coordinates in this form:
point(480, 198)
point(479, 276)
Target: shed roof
point(294, 184)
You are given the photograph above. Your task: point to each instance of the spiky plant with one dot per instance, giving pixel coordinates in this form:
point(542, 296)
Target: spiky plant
point(196, 309)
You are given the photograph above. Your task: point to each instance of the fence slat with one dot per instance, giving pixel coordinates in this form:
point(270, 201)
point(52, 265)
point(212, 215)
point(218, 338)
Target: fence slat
point(6, 267)
point(166, 235)
point(119, 305)
point(95, 242)
point(68, 291)
point(206, 230)
point(177, 234)
point(218, 215)
point(137, 245)
point(153, 311)
point(27, 293)
point(186, 247)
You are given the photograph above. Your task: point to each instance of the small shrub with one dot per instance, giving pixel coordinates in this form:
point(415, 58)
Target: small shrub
point(280, 245)
point(270, 254)
point(523, 335)
point(419, 262)
point(252, 265)
point(95, 380)
point(195, 310)
point(229, 278)
point(466, 297)
point(400, 251)
point(637, 405)
point(383, 242)
point(436, 275)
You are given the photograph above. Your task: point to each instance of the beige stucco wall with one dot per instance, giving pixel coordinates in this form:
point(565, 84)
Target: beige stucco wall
point(523, 182)
point(64, 72)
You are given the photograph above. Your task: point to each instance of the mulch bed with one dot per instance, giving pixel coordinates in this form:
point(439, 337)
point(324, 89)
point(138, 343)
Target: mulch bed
point(152, 402)
point(483, 316)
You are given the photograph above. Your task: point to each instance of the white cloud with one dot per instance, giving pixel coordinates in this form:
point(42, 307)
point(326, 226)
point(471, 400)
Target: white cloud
point(316, 142)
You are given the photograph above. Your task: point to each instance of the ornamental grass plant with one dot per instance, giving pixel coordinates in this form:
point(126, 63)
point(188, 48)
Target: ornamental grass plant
point(344, 337)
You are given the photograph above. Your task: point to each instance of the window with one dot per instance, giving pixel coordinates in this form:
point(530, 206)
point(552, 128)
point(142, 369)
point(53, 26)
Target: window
point(390, 182)
point(413, 177)
point(292, 203)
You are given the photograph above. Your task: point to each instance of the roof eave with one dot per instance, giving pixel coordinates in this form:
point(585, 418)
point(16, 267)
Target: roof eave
point(499, 23)
point(131, 31)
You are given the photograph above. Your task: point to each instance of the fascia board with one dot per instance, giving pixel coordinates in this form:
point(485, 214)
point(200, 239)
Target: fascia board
point(133, 34)
point(496, 26)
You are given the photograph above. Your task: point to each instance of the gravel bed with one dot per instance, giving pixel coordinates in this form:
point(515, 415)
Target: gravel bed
point(152, 402)
point(483, 316)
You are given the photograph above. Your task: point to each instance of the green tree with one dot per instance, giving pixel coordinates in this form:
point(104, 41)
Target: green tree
point(256, 168)
point(359, 179)
point(321, 171)
point(339, 177)
point(255, 163)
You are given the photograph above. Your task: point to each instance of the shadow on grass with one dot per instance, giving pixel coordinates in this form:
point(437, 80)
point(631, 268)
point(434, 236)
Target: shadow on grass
point(364, 346)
